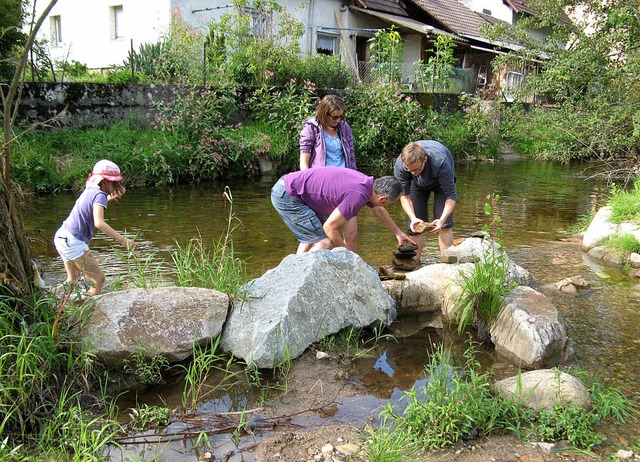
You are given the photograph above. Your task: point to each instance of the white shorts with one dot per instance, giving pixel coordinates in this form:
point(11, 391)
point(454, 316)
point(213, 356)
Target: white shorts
point(69, 247)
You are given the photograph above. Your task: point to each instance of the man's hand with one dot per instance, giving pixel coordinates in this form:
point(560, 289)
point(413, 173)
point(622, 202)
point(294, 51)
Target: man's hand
point(402, 238)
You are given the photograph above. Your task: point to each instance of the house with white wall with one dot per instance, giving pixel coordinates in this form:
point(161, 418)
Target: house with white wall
point(101, 33)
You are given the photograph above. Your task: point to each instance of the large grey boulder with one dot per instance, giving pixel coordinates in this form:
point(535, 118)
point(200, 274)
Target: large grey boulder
point(529, 331)
point(163, 321)
point(302, 300)
point(543, 388)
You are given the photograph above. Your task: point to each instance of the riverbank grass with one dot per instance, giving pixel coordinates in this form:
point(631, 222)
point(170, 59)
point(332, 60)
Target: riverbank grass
point(457, 401)
point(625, 205)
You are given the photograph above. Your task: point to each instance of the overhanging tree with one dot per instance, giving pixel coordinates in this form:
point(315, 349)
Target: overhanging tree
point(16, 269)
point(591, 68)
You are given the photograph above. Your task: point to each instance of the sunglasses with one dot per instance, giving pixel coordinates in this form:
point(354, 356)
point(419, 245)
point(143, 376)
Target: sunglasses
point(334, 118)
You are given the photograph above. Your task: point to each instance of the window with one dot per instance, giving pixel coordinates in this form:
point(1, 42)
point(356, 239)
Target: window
point(326, 45)
point(115, 22)
point(56, 30)
point(260, 23)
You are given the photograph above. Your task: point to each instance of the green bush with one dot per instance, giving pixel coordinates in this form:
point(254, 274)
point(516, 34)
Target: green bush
point(383, 121)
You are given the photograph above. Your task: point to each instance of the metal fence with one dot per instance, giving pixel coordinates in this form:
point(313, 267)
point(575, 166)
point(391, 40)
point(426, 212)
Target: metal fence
point(420, 77)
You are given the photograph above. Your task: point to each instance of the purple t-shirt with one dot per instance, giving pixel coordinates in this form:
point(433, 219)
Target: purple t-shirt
point(80, 221)
point(328, 188)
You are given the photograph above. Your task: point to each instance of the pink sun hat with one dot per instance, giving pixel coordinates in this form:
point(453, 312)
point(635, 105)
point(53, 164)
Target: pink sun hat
point(104, 170)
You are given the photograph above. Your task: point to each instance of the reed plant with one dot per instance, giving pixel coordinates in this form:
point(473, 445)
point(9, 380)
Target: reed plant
point(206, 359)
point(485, 286)
point(215, 267)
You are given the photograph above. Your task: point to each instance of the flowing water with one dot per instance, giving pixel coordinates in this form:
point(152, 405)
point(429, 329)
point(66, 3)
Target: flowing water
point(539, 202)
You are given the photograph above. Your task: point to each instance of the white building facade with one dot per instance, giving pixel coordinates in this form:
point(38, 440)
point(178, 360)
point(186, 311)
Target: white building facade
point(101, 33)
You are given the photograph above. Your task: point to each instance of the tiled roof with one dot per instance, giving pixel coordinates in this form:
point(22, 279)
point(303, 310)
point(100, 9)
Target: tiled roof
point(454, 16)
point(404, 22)
point(386, 6)
point(521, 6)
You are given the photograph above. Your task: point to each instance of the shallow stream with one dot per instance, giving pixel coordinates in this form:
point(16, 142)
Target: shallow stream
point(539, 203)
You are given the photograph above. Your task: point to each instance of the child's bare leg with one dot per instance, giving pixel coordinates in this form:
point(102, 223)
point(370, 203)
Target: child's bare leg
point(73, 272)
point(90, 267)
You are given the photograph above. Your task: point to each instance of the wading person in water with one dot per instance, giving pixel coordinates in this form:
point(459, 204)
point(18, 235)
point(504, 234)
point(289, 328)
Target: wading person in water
point(426, 167)
point(316, 203)
point(73, 237)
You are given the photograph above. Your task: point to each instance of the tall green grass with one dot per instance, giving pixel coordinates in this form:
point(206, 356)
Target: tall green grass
point(215, 267)
point(47, 408)
point(625, 205)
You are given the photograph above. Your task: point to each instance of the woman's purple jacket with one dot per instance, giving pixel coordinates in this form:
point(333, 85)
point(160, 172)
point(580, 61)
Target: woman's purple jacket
point(312, 141)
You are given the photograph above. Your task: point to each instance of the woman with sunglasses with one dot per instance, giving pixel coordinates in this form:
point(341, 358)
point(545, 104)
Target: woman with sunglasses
point(326, 140)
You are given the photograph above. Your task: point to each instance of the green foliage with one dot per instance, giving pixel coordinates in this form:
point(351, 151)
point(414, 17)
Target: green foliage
point(452, 402)
point(205, 359)
point(146, 365)
point(325, 71)
point(383, 121)
point(566, 422)
point(195, 144)
point(386, 51)
point(216, 268)
point(624, 244)
point(283, 109)
point(485, 286)
point(625, 205)
point(353, 343)
point(596, 79)
point(141, 418)
point(11, 36)
point(256, 44)
point(440, 66)
point(455, 401)
point(44, 405)
point(482, 122)
point(61, 159)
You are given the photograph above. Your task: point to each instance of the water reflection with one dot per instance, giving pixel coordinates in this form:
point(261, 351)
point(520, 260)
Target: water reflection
point(539, 203)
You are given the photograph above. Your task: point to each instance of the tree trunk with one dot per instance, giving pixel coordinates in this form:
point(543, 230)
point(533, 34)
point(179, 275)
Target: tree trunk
point(16, 269)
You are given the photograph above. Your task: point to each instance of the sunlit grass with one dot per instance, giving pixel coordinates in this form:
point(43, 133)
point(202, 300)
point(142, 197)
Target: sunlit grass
point(625, 205)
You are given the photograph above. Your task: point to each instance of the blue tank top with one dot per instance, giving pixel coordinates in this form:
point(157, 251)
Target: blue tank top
point(335, 154)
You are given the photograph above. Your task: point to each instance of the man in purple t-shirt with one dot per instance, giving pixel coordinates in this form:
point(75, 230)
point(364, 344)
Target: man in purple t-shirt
point(316, 203)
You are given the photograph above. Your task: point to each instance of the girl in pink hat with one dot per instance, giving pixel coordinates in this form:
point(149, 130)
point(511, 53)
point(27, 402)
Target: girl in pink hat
point(73, 237)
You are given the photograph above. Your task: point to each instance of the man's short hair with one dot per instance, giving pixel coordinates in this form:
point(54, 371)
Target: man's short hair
point(388, 186)
point(413, 152)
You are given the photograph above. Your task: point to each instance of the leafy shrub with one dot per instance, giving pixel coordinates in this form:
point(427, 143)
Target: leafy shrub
point(383, 121)
point(482, 122)
point(324, 71)
point(193, 144)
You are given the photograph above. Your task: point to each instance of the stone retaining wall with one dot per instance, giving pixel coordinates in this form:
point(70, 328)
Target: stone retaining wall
point(88, 104)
